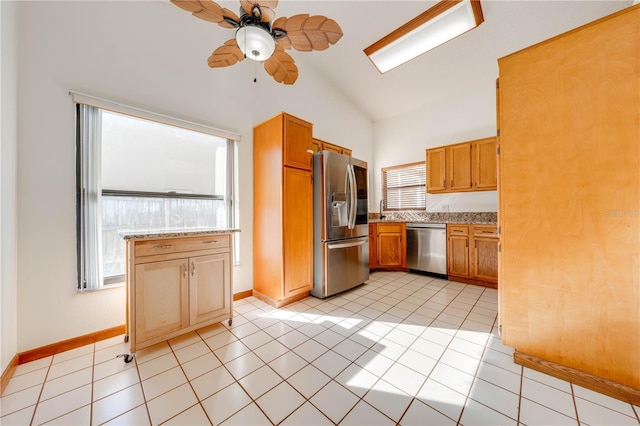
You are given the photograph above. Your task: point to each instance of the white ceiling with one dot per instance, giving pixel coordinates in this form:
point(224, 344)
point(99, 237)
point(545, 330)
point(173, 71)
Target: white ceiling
point(463, 63)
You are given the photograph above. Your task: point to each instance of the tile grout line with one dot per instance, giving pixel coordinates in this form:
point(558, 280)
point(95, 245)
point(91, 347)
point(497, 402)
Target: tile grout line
point(573, 398)
point(93, 368)
point(475, 375)
point(35, 409)
point(144, 398)
point(520, 393)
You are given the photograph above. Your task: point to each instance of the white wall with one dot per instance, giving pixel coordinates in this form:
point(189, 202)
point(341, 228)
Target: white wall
point(8, 179)
point(466, 115)
point(149, 55)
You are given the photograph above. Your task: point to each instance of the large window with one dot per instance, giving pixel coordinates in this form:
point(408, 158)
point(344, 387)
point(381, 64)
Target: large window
point(404, 187)
point(136, 174)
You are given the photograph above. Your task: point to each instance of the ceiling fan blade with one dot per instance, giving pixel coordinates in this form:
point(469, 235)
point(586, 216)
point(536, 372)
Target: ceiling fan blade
point(306, 33)
point(266, 8)
point(210, 11)
point(281, 67)
point(226, 55)
point(189, 5)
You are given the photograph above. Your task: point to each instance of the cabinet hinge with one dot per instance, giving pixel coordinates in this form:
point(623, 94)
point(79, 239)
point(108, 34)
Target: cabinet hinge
point(498, 150)
point(499, 248)
point(497, 84)
point(499, 230)
point(498, 132)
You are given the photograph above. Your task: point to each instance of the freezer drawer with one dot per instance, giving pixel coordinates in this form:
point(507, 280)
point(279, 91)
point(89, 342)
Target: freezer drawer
point(340, 265)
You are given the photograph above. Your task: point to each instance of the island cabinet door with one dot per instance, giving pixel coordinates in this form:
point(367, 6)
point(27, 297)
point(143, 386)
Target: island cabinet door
point(209, 287)
point(162, 300)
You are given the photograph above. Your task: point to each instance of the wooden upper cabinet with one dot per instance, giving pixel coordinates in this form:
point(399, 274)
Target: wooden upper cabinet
point(297, 142)
point(436, 170)
point(320, 145)
point(485, 164)
point(316, 145)
point(459, 167)
point(463, 167)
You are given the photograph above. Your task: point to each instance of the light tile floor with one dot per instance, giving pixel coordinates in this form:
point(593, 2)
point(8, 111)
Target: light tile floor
point(400, 349)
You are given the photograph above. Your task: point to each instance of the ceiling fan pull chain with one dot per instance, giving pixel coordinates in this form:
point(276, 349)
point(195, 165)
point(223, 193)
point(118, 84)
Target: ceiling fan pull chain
point(255, 71)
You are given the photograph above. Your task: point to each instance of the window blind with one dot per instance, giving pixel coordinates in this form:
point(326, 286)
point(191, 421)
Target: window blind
point(404, 187)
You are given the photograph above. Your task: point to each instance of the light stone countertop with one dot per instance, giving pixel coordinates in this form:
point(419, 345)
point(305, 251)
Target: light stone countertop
point(471, 218)
point(152, 234)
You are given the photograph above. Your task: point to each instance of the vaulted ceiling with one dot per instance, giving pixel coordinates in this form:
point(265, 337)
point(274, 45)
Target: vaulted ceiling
point(466, 62)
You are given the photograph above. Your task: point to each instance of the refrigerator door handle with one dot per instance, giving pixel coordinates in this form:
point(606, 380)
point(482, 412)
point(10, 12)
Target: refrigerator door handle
point(347, 244)
point(352, 196)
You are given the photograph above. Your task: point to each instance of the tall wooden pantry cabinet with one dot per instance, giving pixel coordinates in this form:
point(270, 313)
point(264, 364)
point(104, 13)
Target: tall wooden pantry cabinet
point(569, 205)
point(282, 210)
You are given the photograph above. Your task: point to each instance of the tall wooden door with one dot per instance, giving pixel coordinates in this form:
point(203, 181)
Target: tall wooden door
point(298, 231)
point(569, 198)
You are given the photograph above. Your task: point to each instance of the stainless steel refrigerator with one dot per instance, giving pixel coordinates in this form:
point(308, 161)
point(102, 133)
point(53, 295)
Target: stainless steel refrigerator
point(340, 223)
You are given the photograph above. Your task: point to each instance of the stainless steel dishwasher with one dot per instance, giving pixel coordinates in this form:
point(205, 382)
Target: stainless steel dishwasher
point(427, 248)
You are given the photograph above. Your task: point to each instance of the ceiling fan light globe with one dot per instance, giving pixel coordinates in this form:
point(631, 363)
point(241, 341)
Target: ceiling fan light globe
point(255, 42)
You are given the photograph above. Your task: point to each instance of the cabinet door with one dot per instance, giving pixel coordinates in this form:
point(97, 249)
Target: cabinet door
point(297, 143)
point(298, 231)
point(485, 259)
point(436, 170)
point(485, 165)
point(390, 248)
point(209, 287)
point(458, 255)
point(316, 145)
point(373, 246)
point(459, 167)
point(331, 147)
point(162, 299)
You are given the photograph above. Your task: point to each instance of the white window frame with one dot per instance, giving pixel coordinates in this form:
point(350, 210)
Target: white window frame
point(415, 180)
point(89, 270)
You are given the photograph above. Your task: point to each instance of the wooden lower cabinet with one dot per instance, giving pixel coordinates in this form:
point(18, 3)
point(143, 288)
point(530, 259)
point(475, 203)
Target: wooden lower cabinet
point(176, 285)
point(458, 251)
point(389, 242)
point(373, 246)
point(472, 254)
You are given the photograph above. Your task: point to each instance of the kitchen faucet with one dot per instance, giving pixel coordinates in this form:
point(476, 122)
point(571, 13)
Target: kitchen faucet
point(381, 205)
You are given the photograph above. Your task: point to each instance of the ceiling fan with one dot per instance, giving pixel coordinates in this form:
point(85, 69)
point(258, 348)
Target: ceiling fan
point(262, 39)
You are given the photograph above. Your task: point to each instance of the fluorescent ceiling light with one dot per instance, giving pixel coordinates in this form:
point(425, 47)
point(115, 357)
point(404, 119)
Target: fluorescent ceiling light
point(443, 22)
